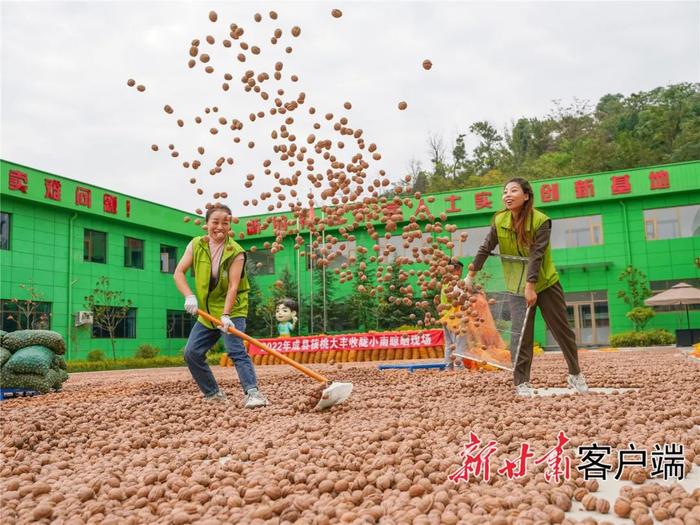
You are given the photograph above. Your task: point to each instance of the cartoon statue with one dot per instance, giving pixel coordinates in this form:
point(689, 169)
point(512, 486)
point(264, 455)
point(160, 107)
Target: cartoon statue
point(286, 315)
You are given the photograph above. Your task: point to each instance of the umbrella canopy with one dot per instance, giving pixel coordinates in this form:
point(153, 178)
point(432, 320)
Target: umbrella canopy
point(682, 293)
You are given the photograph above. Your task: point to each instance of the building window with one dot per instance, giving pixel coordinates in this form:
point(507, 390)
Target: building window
point(133, 253)
point(4, 231)
point(468, 247)
point(575, 232)
point(168, 258)
point(24, 315)
point(95, 246)
point(340, 252)
point(125, 325)
point(179, 324)
point(260, 262)
point(662, 286)
point(396, 246)
point(671, 223)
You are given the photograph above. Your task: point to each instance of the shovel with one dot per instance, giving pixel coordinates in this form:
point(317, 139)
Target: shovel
point(333, 394)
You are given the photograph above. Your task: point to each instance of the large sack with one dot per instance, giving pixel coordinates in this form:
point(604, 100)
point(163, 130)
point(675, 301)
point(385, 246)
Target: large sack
point(42, 384)
point(4, 355)
point(13, 341)
point(61, 377)
point(35, 360)
point(59, 363)
point(3, 333)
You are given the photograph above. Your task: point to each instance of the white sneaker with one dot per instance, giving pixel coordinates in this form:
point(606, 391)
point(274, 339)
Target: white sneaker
point(254, 399)
point(578, 383)
point(217, 397)
point(524, 390)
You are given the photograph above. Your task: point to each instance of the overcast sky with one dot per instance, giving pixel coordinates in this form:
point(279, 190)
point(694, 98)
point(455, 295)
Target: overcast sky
point(66, 107)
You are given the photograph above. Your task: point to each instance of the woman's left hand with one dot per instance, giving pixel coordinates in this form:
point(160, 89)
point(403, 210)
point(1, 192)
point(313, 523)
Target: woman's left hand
point(530, 294)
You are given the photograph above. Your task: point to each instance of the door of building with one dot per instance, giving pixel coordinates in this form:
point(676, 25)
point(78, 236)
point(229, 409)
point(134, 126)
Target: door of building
point(588, 317)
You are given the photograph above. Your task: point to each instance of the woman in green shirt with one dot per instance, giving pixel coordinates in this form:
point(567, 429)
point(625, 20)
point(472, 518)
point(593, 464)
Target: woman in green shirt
point(221, 289)
point(521, 231)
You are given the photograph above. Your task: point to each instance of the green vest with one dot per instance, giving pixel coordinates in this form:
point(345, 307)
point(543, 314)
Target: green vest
point(213, 300)
point(515, 272)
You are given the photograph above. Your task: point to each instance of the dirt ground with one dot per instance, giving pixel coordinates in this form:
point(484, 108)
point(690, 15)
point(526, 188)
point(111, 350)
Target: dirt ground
point(143, 447)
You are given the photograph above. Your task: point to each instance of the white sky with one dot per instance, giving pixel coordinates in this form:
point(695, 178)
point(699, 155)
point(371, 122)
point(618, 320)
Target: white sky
point(66, 107)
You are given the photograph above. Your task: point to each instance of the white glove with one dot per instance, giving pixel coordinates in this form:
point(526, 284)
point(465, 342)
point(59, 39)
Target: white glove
point(469, 283)
point(191, 304)
point(225, 323)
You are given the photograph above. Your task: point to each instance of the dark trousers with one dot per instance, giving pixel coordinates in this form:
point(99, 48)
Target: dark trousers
point(553, 307)
point(200, 342)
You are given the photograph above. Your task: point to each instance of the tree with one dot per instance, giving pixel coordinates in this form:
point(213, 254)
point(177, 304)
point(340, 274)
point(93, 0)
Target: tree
point(619, 132)
point(637, 290)
point(28, 315)
point(637, 287)
point(392, 310)
point(640, 316)
point(488, 152)
point(459, 155)
point(257, 324)
point(109, 309)
point(362, 303)
point(436, 147)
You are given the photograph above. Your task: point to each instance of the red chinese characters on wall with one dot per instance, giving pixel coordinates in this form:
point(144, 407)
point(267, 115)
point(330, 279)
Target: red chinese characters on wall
point(584, 188)
point(253, 227)
point(452, 199)
point(394, 209)
point(128, 208)
point(18, 181)
point(109, 203)
point(53, 189)
point(549, 192)
point(422, 207)
point(279, 224)
point(659, 180)
point(621, 184)
point(306, 218)
point(83, 197)
point(481, 200)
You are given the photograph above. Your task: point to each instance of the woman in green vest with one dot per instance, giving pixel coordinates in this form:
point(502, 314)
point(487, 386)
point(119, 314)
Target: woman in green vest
point(522, 231)
point(221, 288)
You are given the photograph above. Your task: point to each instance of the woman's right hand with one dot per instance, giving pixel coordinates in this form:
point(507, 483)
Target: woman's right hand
point(469, 279)
point(191, 305)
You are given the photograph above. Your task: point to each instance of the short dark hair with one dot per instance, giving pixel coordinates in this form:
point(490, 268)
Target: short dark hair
point(289, 303)
point(217, 207)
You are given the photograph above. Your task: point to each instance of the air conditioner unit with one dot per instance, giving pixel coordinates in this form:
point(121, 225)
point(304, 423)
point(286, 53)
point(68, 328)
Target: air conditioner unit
point(82, 318)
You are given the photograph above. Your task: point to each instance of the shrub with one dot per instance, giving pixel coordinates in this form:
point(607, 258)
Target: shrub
point(658, 337)
point(124, 364)
point(146, 352)
point(96, 355)
point(640, 316)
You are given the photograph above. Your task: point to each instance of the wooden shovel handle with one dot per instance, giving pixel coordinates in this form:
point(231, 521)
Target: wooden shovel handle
point(264, 347)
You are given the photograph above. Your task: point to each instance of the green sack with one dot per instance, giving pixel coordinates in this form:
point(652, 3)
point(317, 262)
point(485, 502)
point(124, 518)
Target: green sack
point(23, 338)
point(59, 363)
point(42, 384)
point(35, 360)
point(61, 377)
point(3, 333)
point(4, 355)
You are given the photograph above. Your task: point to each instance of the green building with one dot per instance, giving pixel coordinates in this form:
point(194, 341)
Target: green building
point(61, 236)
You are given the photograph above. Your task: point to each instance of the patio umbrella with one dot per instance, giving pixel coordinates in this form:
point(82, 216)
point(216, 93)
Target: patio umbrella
point(682, 294)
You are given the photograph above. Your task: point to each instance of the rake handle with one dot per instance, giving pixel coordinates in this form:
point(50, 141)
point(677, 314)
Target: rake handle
point(264, 347)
